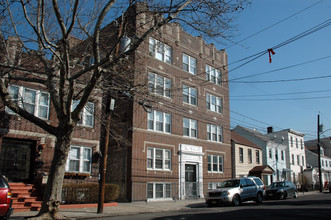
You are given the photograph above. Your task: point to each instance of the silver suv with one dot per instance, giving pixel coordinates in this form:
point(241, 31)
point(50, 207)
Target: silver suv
point(235, 191)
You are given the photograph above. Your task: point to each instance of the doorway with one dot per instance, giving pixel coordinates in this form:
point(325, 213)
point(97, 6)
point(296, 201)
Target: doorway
point(191, 183)
point(16, 159)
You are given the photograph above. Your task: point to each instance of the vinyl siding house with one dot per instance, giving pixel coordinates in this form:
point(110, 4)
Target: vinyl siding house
point(273, 153)
point(245, 155)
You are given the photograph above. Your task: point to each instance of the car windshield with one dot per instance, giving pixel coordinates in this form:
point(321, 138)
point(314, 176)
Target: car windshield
point(230, 183)
point(274, 185)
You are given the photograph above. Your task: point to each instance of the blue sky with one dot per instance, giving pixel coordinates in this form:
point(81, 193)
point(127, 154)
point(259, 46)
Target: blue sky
point(295, 104)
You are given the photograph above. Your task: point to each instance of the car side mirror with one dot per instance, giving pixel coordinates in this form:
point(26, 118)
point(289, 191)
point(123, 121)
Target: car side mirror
point(287, 186)
point(241, 186)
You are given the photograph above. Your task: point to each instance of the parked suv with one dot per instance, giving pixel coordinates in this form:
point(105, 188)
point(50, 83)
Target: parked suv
point(5, 199)
point(235, 191)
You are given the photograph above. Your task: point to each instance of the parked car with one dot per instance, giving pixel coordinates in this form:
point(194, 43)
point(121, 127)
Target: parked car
point(235, 191)
point(281, 190)
point(5, 199)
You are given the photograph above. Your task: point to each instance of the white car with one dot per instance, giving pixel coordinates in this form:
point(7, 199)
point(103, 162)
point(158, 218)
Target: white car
point(235, 191)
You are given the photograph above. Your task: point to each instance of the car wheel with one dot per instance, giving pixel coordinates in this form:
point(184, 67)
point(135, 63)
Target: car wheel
point(259, 198)
point(236, 200)
point(295, 194)
point(282, 195)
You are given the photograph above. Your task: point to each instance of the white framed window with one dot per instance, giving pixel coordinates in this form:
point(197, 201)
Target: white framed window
point(301, 144)
point(35, 102)
point(159, 85)
point(250, 157)
point(214, 133)
point(79, 159)
point(214, 103)
point(298, 159)
point(189, 64)
point(303, 160)
point(158, 159)
point(190, 95)
point(213, 75)
point(215, 163)
point(190, 128)
point(158, 191)
point(296, 142)
point(292, 159)
point(257, 153)
point(291, 141)
point(270, 153)
point(159, 121)
point(87, 114)
point(241, 155)
point(160, 50)
point(282, 155)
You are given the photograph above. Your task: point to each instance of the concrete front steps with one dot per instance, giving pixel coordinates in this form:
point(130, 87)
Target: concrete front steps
point(23, 198)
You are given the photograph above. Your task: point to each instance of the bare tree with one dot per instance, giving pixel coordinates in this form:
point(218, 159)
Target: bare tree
point(47, 52)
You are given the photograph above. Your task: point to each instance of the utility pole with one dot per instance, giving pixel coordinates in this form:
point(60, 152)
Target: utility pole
point(319, 153)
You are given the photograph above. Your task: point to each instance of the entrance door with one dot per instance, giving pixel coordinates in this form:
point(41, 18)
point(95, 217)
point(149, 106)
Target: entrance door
point(191, 184)
point(15, 161)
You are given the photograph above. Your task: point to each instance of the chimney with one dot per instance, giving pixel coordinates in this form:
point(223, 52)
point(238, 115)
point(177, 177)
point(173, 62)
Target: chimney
point(269, 130)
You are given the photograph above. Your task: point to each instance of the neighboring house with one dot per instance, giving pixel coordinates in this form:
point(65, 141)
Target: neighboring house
point(325, 146)
point(182, 146)
point(245, 155)
point(273, 153)
point(311, 174)
point(295, 152)
point(26, 151)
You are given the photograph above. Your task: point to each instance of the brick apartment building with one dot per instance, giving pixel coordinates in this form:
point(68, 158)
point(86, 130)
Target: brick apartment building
point(26, 151)
point(182, 146)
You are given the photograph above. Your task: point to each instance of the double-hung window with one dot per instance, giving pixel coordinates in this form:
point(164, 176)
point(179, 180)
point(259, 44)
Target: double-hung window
point(190, 127)
point(86, 115)
point(159, 85)
point(158, 159)
point(79, 159)
point(33, 101)
point(189, 64)
point(160, 50)
point(158, 191)
point(214, 133)
point(257, 152)
point(250, 158)
point(190, 95)
point(214, 103)
point(241, 154)
point(159, 121)
point(215, 163)
point(213, 75)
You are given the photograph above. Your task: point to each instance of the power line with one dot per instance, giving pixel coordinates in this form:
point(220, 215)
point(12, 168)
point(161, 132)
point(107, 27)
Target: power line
point(283, 99)
point(281, 94)
point(274, 24)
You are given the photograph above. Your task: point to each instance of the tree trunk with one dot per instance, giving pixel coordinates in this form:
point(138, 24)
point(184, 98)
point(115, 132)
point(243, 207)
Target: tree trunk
point(53, 191)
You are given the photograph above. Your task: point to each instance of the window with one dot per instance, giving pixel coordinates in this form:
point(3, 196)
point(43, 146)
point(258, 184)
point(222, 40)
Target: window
point(249, 156)
point(87, 114)
point(296, 142)
point(291, 141)
point(190, 127)
point(79, 159)
point(301, 144)
point(190, 95)
point(276, 154)
point(214, 103)
point(303, 160)
point(159, 85)
point(214, 133)
point(241, 155)
point(213, 75)
point(282, 155)
point(160, 50)
point(292, 159)
point(158, 159)
point(158, 190)
point(189, 64)
point(215, 163)
point(33, 101)
point(159, 121)
point(270, 153)
point(298, 160)
point(257, 152)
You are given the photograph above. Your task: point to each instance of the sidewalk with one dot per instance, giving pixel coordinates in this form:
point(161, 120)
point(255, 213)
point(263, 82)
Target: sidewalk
point(129, 208)
point(122, 209)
